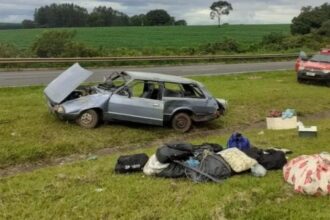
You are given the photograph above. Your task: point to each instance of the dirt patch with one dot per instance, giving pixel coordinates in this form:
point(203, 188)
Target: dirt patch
point(196, 133)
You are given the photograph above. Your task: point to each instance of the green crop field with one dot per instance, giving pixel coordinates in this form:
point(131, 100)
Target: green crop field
point(152, 37)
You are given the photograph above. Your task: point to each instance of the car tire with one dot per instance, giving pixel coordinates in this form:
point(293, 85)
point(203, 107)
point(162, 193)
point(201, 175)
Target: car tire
point(300, 80)
point(181, 122)
point(88, 119)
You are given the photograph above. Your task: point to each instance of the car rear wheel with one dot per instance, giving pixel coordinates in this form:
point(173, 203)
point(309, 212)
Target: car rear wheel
point(181, 122)
point(88, 119)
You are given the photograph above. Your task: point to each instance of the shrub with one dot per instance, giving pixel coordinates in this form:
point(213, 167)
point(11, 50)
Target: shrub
point(273, 38)
point(61, 44)
point(77, 49)
point(52, 43)
point(227, 45)
point(8, 50)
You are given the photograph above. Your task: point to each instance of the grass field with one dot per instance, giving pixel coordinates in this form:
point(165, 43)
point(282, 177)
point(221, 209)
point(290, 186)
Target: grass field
point(29, 133)
point(153, 37)
point(90, 189)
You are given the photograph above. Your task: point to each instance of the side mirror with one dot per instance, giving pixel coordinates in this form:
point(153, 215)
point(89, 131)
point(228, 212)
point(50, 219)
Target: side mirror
point(303, 56)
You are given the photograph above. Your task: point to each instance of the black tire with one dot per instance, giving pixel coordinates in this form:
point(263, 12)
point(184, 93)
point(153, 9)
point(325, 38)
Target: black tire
point(181, 122)
point(300, 80)
point(88, 119)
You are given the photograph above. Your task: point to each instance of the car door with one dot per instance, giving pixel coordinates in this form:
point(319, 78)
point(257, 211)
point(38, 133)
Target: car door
point(136, 104)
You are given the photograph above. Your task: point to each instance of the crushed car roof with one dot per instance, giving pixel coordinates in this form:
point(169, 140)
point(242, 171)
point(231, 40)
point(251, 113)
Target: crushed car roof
point(159, 77)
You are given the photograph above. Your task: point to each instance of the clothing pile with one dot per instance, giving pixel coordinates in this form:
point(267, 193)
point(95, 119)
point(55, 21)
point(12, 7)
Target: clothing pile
point(205, 162)
point(309, 174)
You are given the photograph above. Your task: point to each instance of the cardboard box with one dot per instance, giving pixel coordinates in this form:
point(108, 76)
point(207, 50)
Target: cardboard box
point(282, 124)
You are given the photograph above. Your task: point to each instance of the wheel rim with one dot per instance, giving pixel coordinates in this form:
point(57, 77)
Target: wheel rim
point(86, 118)
point(181, 123)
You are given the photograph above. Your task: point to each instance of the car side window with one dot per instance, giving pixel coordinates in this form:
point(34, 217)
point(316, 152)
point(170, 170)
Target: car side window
point(145, 89)
point(173, 90)
point(182, 90)
point(192, 91)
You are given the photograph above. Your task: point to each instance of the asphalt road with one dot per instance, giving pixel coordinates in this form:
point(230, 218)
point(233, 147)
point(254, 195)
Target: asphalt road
point(43, 77)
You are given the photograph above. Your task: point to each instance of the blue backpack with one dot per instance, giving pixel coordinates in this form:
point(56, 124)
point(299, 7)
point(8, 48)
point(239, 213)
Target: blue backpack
point(239, 141)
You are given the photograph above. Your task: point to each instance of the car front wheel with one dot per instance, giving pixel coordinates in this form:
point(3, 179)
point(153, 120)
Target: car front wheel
point(88, 119)
point(181, 122)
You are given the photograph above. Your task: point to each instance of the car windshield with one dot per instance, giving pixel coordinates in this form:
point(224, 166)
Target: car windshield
point(321, 58)
point(114, 81)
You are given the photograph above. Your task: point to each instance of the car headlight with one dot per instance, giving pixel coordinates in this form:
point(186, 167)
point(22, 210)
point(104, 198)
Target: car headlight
point(61, 110)
point(301, 67)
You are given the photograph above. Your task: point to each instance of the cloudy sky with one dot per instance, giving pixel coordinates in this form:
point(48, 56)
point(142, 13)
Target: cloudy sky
point(196, 12)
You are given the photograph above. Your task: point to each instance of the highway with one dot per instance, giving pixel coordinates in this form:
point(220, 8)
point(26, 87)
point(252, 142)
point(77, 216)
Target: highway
point(43, 77)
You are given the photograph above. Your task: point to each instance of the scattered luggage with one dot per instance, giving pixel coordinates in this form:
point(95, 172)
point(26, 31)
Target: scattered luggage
point(153, 166)
point(213, 167)
point(174, 170)
point(237, 160)
point(239, 141)
point(205, 162)
point(131, 163)
point(175, 151)
point(258, 170)
point(270, 159)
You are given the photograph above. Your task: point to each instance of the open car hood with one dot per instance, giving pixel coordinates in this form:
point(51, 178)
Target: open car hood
point(65, 83)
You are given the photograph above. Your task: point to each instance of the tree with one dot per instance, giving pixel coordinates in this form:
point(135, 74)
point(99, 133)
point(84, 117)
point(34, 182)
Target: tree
point(28, 24)
point(310, 19)
point(220, 8)
point(61, 15)
point(158, 17)
point(138, 20)
point(103, 16)
point(181, 23)
point(325, 29)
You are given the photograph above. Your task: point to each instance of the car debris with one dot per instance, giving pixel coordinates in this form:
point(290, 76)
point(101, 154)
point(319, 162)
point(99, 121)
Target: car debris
point(317, 68)
point(148, 98)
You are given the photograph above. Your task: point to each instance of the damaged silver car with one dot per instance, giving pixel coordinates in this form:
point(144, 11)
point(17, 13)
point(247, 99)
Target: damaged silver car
point(147, 98)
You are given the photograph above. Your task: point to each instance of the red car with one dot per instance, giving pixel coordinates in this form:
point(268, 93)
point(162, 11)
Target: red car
point(316, 68)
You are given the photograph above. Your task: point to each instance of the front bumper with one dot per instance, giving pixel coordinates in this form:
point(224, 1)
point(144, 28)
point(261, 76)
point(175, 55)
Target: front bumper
point(53, 109)
point(314, 75)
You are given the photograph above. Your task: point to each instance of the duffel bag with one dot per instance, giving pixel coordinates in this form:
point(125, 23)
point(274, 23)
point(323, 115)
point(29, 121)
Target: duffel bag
point(167, 154)
point(131, 163)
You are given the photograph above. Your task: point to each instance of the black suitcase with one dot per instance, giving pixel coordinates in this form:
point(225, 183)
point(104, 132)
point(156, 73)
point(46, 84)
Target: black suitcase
point(131, 163)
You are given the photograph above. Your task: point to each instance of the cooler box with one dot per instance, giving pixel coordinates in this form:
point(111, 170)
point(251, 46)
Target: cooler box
point(307, 131)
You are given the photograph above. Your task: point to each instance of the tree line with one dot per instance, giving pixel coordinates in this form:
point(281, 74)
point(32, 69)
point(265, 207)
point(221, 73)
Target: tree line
point(312, 20)
point(71, 15)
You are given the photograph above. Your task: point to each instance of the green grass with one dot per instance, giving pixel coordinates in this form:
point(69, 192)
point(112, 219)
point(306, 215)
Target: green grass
point(29, 133)
point(152, 37)
point(73, 191)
